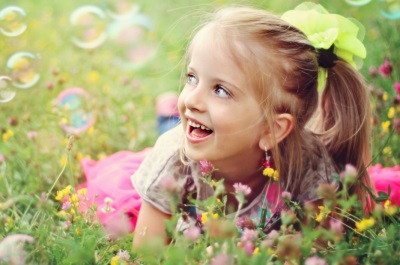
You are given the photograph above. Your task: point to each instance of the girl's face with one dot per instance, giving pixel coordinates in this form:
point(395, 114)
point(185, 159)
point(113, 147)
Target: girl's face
point(220, 112)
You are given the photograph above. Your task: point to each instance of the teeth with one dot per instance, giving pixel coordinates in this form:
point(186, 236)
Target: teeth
point(196, 125)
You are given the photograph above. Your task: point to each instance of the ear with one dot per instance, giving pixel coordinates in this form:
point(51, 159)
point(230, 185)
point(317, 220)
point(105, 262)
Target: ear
point(282, 126)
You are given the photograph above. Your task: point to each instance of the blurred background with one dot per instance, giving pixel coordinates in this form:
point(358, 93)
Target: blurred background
point(94, 69)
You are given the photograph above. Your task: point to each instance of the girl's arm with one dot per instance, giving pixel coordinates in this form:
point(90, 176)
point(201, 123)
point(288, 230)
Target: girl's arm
point(150, 224)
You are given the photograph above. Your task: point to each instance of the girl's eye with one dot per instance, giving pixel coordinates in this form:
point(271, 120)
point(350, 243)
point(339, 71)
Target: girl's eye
point(222, 92)
point(191, 79)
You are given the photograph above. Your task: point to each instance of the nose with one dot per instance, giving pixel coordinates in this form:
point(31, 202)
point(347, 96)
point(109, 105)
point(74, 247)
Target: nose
point(195, 98)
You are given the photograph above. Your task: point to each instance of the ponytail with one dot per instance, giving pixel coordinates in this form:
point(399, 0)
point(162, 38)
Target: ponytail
point(344, 123)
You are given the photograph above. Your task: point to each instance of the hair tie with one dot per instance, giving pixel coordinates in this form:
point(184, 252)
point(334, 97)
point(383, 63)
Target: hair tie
point(326, 57)
point(332, 35)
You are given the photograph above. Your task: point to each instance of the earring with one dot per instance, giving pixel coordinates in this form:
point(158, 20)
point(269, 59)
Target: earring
point(268, 170)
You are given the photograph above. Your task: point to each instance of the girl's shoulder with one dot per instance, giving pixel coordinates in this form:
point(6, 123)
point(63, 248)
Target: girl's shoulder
point(162, 163)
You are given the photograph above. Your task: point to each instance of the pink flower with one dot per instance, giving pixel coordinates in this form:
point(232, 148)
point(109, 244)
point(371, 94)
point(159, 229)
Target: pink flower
point(11, 249)
point(373, 72)
point(248, 247)
point(221, 259)
point(286, 195)
point(349, 174)
point(249, 235)
point(2, 158)
point(242, 188)
point(32, 135)
point(206, 167)
point(315, 260)
point(192, 233)
point(397, 87)
point(118, 226)
point(386, 68)
point(385, 177)
point(336, 226)
point(66, 206)
point(396, 125)
point(123, 254)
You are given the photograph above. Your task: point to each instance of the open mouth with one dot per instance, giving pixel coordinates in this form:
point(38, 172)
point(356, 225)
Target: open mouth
point(197, 130)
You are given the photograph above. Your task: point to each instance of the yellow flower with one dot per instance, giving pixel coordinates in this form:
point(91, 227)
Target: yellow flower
point(7, 135)
point(90, 130)
point(387, 150)
point(204, 218)
point(385, 96)
point(365, 224)
point(115, 260)
point(269, 172)
point(323, 213)
point(82, 191)
point(391, 113)
point(93, 76)
point(389, 208)
point(276, 175)
point(385, 126)
point(74, 199)
point(256, 251)
point(215, 216)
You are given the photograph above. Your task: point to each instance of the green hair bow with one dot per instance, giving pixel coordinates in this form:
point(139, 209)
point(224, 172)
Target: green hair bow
point(324, 30)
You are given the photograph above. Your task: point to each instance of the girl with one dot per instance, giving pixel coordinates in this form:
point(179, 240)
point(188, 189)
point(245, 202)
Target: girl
point(251, 102)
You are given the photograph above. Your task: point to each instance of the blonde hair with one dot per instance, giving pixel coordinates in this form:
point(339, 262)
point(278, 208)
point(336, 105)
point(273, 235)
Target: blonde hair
point(282, 64)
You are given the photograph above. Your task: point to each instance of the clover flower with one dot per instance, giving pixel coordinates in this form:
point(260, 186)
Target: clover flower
point(249, 235)
point(242, 189)
point(315, 260)
point(206, 168)
point(386, 68)
point(192, 233)
point(397, 87)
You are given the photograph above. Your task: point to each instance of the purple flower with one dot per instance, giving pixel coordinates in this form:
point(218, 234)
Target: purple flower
point(386, 68)
point(206, 168)
point(315, 260)
point(192, 233)
point(242, 188)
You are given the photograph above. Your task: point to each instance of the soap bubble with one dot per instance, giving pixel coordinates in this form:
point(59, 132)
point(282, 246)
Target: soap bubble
point(122, 10)
point(88, 27)
point(358, 2)
point(7, 91)
point(390, 9)
point(74, 104)
point(134, 45)
point(12, 21)
point(23, 69)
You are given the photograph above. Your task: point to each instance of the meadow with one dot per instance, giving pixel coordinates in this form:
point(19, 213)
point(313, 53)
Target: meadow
point(114, 82)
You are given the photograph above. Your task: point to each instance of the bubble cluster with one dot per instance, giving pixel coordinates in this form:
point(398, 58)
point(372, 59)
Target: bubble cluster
point(12, 21)
point(7, 91)
point(88, 27)
point(122, 25)
point(390, 8)
point(23, 69)
point(74, 104)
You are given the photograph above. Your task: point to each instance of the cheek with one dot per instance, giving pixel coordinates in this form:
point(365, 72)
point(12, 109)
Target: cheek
point(181, 104)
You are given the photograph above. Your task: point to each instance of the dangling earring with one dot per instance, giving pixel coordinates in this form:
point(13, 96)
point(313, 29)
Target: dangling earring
point(268, 170)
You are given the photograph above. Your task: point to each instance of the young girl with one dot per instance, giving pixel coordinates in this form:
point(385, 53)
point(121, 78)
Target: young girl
point(251, 102)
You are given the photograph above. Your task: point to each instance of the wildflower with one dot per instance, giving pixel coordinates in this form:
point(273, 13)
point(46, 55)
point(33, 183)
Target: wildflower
point(386, 68)
point(117, 226)
point(123, 254)
point(220, 229)
point(2, 158)
point(349, 174)
point(192, 233)
point(66, 225)
point(66, 206)
point(206, 168)
point(242, 189)
point(387, 150)
point(391, 113)
point(7, 135)
point(389, 208)
point(315, 260)
point(385, 96)
point(396, 126)
point(11, 248)
point(272, 173)
point(115, 260)
point(221, 259)
point(93, 76)
point(12, 121)
point(385, 126)
point(365, 224)
point(248, 247)
point(107, 208)
point(49, 85)
point(64, 192)
point(324, 212)
point(287, 196)
point(63, 160)
point(32, 135)
point(397, 87)
point(90, 130)
point(249, 235)
point(336, 226)
point(288, 217)
point(74, 199)
point(205, 215)
point(82, 191)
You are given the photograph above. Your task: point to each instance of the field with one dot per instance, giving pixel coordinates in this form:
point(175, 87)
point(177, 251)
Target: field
point(43, 141)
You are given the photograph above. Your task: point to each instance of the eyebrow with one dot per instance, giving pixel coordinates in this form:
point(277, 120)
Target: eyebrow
point(218, 80)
